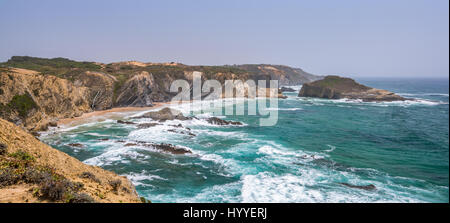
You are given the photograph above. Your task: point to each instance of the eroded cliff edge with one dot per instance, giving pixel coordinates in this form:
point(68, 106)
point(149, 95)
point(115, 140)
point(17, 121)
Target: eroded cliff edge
point(31, 171)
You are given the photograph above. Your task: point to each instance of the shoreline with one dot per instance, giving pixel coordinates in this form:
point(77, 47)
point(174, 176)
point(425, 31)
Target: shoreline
point(105, 114)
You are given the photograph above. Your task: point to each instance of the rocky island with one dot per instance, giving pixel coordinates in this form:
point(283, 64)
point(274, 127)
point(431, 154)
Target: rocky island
point(335, 87)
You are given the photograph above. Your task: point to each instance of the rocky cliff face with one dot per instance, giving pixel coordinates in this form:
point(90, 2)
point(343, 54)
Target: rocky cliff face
point(100, 86)
point(335, 87)
point(137, 91)
point(34, 101)
point(284, 74)
point(32, 171)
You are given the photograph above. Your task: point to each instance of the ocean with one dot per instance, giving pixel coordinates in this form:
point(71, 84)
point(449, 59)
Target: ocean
point(318, 149)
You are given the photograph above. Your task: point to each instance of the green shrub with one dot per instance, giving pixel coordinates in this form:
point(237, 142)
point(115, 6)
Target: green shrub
point(3, 148)
point(22, 155)
point(144, 200)
point(91, 176)
point(55, 66)
point(115, 184)
point(22, 104)
point(80, 198)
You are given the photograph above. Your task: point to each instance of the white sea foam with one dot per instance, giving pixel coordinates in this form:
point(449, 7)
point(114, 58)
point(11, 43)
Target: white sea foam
point(295, 87)
point(137, 178)
point(314, 186)
point(422, 94)
point(116, 154)
point(284, 109)
point(332, 148)
point(96, 134)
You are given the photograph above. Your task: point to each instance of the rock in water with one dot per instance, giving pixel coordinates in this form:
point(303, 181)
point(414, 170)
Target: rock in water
point(218, 121)
point(125, 122)
point(364, 187)
point(335, 87)
point(146, 125)
point(165, 114)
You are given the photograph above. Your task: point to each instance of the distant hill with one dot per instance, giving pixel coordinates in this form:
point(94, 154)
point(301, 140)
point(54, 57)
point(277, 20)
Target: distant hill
point(284, 74)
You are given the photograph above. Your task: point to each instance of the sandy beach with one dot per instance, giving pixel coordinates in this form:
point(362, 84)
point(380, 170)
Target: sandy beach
point(106, 114)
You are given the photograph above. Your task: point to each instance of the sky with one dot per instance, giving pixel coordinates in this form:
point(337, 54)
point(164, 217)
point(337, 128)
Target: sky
point(359, 38)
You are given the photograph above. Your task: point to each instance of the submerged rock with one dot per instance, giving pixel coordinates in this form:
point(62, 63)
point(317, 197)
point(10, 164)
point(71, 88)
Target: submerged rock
point(165, 147)
point(218, 121)
point(146, 125)
point(79, 145)
point(165, 114)
point(125, 122)
point(181, 132)
point(364, 187)
point(335, 87)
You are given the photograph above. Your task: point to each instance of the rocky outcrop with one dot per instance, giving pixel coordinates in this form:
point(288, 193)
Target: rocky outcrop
point(163, 147)
point(137, 91)
point(38, 173)
point(34, 101)
point(335, 87)
point(101, 87)
point(218, 121)
point(164, 115)
point(369, 187)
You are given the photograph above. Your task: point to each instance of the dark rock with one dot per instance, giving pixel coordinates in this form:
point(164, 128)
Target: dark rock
point(165, 114)
point(131, 144)
point(146, 125)
point(79, 145)
point(36, 134)
point(335, 87)
point(180, 126)
point(171, 148)
point(163, 147)
point(137, 91)
point(3, 148)
point(364, 187)
point(125, 122)
point(218, 121)
point(103, 139)
point(287, 89)
point(181, 132)
point(53, 124)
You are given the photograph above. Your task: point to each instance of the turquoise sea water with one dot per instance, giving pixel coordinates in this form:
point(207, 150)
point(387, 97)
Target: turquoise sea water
point(400, 147)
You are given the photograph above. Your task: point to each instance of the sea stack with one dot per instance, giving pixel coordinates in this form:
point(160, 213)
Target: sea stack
point(335, 87)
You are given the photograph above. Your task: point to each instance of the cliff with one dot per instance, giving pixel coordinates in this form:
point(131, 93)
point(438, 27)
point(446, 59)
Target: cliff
point(31, 171)
point(335, 87)
point(284, 74)
point(36, 92)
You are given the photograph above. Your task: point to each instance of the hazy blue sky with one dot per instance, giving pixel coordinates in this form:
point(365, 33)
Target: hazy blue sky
point(353, 38)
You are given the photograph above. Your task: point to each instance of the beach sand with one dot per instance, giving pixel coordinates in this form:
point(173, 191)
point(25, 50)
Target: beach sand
point(114, 113)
